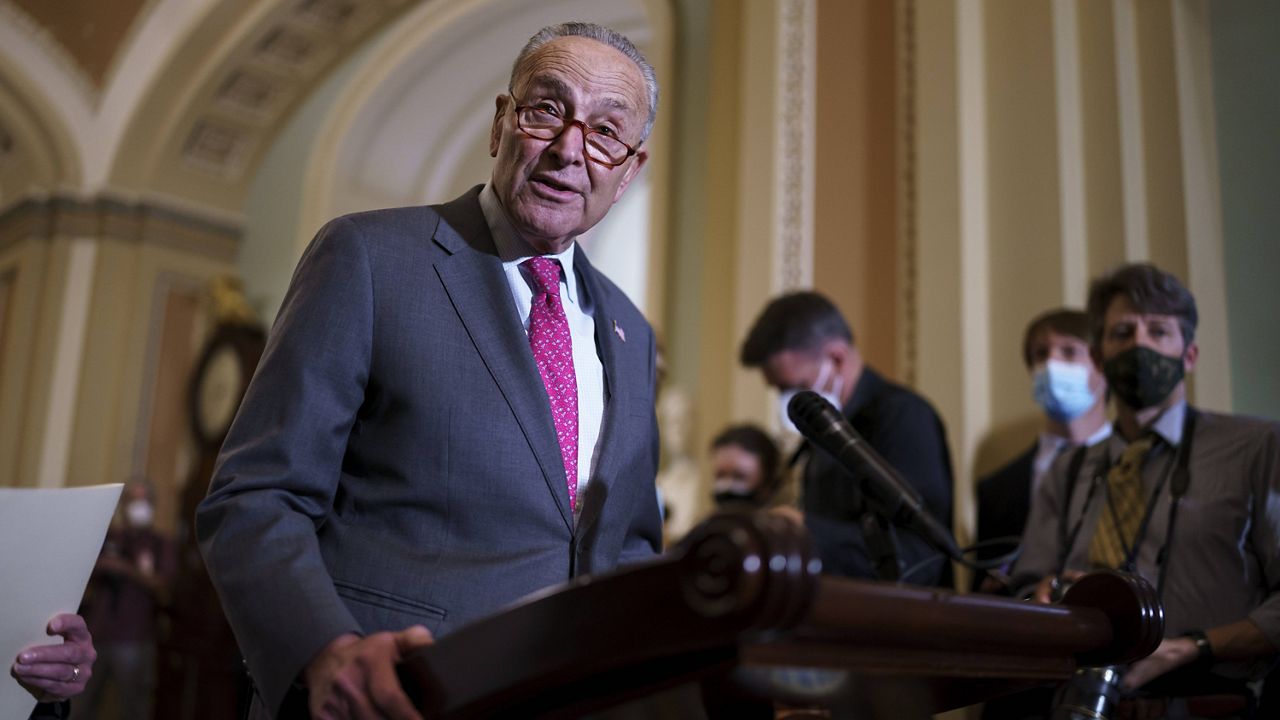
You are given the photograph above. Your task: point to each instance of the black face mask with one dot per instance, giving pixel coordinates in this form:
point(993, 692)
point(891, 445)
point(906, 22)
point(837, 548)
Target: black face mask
point(1142, 377)
point(734, 499)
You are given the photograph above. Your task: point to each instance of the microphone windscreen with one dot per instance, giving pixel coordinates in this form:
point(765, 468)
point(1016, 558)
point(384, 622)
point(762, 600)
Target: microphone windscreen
point(807, 409)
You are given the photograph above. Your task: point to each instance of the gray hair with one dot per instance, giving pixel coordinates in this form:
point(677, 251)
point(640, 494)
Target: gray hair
point(602, 34)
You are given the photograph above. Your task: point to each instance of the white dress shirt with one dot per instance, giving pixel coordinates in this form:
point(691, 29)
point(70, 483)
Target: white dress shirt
point(1050, 446)
point(513, 250)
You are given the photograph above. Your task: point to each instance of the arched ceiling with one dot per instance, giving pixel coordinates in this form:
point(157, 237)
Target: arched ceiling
point(179, 100)
point(90, 32)
point(212, 114)
point(172, 99)
point(407, 120)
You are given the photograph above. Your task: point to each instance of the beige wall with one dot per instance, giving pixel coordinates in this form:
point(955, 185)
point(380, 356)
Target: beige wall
point(104, 312)
point(856, 243)
point(973, 164)
point(1048, 148)
point(29, 341)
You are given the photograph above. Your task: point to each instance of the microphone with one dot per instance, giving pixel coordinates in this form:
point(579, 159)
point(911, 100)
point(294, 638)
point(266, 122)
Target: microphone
point(824, 426)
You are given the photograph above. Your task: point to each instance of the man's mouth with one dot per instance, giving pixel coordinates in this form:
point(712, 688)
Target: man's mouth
point(553, 188)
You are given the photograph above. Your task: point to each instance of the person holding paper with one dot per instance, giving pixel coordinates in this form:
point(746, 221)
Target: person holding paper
point(55, 673)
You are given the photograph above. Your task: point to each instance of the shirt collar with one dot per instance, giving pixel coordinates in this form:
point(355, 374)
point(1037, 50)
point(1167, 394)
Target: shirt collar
point(869, 381)
point(513, 250)
point(1049, 442)
point(1101, 434)
point(1052, 443)
point(1168, 426)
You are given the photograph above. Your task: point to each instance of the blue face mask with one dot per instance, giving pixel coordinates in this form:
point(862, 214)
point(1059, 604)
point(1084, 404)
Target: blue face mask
point(1062, 390)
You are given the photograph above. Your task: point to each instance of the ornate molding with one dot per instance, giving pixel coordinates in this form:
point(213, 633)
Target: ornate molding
point(793, 185)
point(266, 78)
point(908, 280)
point(103, 217)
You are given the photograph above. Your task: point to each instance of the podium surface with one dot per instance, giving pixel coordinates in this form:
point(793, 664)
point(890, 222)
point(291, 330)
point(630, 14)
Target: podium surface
point(742, 602)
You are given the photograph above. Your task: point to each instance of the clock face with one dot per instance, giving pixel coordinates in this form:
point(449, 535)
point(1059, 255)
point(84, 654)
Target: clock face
point(218, 392)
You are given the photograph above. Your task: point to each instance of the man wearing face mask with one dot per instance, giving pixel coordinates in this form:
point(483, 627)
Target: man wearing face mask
point(129, 584)
point(1188, 499)
point(1071, 393)
point(802, 342)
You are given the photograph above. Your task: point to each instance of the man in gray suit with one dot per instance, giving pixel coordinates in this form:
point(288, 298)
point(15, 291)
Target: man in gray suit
point(454, 409)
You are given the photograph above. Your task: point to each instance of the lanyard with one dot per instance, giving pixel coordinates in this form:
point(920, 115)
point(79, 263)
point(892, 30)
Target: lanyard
point(1181, 479)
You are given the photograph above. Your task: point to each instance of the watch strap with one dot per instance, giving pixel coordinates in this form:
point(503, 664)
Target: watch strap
point(1203, 648)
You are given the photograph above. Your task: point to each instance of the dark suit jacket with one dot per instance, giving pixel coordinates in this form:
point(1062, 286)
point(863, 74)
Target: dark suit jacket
point(51, 711)
point(1004, 499)
point(395, 461)
point(906, 431)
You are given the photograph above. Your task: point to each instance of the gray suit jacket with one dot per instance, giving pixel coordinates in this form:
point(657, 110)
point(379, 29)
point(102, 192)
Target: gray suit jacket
point(395, 462)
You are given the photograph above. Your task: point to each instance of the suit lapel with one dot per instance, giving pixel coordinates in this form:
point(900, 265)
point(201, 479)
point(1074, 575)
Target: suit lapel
point(608, 346)
point(473, 277)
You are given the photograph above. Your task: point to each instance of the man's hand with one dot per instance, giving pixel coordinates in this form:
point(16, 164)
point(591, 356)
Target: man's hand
point(53, 673)
point(355, 677)
point(1044, 589)
point(1172, 653)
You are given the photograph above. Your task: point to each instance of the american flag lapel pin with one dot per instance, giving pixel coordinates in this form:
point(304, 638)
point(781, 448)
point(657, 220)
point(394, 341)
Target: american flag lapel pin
point(617, 330)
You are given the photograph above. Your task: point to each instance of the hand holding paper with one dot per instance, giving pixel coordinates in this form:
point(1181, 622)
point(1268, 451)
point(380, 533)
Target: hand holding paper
point(53, 673)
point(41, 582)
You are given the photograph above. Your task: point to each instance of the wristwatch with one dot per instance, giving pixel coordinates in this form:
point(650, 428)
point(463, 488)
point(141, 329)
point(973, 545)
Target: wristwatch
point(1203, 649)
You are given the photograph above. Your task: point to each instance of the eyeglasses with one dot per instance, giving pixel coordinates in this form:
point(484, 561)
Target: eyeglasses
point(543, 123)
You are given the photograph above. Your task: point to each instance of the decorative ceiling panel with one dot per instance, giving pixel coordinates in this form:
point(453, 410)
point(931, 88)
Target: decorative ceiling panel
point(90, 31)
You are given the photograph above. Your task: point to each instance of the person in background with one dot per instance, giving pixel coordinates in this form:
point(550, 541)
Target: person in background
point(53, 674)
point(1186, 498)
point(129, 585)
point(802, 342)
point(744, 466)
point(1071, 393)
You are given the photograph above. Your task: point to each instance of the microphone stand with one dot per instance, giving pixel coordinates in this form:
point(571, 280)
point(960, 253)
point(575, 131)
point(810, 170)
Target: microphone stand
point(882, 542)
point(886, 495)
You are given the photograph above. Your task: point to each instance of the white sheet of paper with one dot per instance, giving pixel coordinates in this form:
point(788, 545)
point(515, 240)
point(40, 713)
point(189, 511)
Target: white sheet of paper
point(49, 540)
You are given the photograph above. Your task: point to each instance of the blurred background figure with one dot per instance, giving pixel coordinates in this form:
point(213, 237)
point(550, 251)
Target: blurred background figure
point(744, 466)
point(1071, 392)
point(801, 341)
point(129, 585)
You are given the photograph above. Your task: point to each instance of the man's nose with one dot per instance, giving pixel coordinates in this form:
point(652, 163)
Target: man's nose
point(1142, 336)
point(568, 148)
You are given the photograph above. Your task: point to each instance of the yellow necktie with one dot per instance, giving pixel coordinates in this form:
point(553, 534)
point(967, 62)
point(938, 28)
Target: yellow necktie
point(1119, 522)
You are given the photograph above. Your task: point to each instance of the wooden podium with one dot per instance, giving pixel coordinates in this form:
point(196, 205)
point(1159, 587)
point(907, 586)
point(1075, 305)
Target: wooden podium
point(741, 602)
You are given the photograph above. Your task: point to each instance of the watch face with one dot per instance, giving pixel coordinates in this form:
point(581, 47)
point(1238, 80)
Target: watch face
point(218, 394)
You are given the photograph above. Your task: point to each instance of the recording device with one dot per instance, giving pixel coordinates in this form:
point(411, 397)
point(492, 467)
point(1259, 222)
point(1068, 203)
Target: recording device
point(1090, 694)
point(824, 426)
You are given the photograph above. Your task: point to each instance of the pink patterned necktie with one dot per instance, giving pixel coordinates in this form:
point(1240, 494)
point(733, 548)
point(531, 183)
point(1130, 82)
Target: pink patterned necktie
point(553, 350)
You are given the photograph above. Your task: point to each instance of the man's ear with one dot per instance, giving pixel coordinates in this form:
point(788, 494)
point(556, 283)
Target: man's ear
point(495, 132)
point(632, 170)
point(1190, 357)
